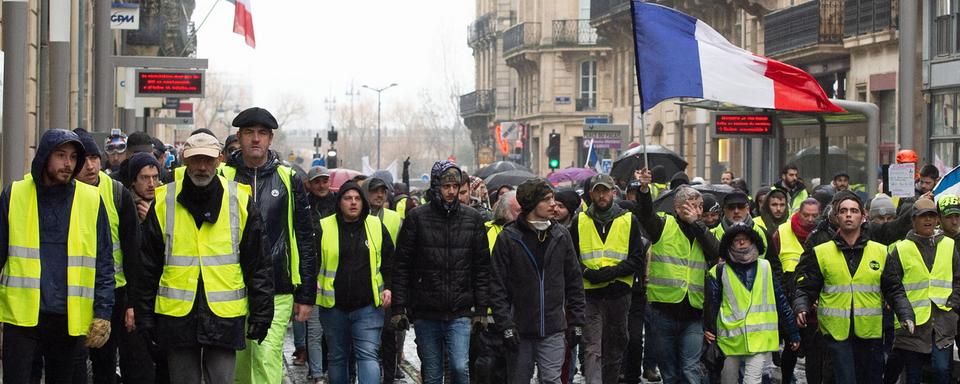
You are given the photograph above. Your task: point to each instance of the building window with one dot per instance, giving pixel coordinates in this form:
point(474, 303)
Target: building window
point(944, 31)
point(944, 131)
point(587, 101)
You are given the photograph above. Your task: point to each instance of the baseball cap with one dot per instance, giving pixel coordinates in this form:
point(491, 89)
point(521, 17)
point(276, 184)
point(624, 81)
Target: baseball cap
point(201, 144)
point(949, 204)
point(923, 206)
point(735, 197)
point(318, 171)
point(601, 179)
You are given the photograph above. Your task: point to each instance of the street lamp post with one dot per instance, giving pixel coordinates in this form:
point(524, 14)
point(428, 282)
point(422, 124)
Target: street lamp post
point(379, 91)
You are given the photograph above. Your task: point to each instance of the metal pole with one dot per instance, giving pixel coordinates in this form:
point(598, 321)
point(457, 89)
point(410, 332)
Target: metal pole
point(756, 159)
point(824, 150)
point(872, 113)
point(103, 86)
point(14, 89)
point(909, 33)
point(702, 116)
point(378, 129)
point(82, 64)
point(59, 63)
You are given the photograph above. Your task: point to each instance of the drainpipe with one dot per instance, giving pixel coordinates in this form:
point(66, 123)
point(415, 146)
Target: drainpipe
point(14, 89)
point(59, 64)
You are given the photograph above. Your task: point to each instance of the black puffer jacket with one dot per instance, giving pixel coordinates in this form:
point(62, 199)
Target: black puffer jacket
point(271, 197)
point(442, 263)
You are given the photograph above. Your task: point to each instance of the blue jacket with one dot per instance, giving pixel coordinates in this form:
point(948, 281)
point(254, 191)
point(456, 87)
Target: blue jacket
point(54, 205)
point(747, 273)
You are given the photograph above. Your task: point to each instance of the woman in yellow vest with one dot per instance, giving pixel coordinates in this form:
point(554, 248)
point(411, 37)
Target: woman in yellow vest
point(744, 307)
point(927, 266)
point(356, 252)
point(57, 279)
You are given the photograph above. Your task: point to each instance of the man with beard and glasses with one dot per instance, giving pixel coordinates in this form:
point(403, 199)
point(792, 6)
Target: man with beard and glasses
point(288, 235)
point(204, 282)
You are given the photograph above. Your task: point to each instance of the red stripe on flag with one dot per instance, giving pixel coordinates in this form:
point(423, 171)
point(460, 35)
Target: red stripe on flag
point(243, 24)
point(796, 90)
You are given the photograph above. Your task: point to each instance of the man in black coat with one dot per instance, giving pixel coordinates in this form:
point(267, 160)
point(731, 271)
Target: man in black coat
point(536, 283)
point(441, 273)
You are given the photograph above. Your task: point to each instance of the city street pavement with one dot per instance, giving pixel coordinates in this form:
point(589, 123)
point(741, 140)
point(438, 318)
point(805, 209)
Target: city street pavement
point(411, 365)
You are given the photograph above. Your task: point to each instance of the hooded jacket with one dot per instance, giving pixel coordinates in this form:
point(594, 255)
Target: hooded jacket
point(271, 197)
point(942, 326)
point(201, 326)
point(792, 193)
point(766, 216)
point(352, 285)
point(442, 263)
point(54, 205)
point(536, 295)
point(747, 274)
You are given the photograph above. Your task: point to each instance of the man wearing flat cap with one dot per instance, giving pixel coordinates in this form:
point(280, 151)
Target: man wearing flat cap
point(203, 281)
point(288, 232)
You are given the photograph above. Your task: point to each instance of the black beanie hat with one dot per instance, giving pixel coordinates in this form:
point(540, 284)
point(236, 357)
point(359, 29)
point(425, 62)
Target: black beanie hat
point(569, 199)
point(137, 162)
point(531, 192)
point(89, 144)
point(139, 142)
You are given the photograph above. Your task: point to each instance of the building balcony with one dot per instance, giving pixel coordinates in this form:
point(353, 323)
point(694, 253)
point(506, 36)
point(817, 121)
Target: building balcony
point(574, 32)
point(601, 9)
point(482, 28)
point(520, 37)
point(586, 104)
point(475, 103)
point(861, 17)
point(805, 33)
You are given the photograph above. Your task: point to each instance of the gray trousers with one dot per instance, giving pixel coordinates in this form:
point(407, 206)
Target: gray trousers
point(213, 365)
point(547, 353)
point(604, 339)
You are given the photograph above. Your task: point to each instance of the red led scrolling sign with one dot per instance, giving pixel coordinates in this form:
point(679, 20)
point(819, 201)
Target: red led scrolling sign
point(743, 125)
point(169, 83)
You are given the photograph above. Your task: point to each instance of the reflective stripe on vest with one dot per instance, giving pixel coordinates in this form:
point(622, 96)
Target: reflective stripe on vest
point(790, 247)
point(105, 187)
point(677, 267)
point(596, 253)
point(392, 220)
point(747, 322)
point(718, 231)
point(20, 277)
point(212, 251)
point(230, 173)
point(844, 295)
point(925, 286)
point(330, 259)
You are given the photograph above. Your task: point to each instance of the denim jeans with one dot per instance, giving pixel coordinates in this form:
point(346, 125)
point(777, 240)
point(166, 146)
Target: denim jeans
point(940, 360)
point(435, 336)
point(360, 327)
point(315, 343)
point(676, 346)
point(856, 360)
point(299, 334)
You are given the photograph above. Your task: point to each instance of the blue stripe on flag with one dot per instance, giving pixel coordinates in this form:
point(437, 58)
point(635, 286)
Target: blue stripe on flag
point(668, 60)
point(948, 182)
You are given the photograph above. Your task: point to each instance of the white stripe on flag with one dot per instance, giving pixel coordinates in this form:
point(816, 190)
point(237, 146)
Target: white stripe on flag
point(730, 73)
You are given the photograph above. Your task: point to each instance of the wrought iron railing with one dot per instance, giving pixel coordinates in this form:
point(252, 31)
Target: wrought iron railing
point(601, 8)
point(586, 104)
point(521, 36)
point(804, 25)
point(477, 102)
point(574, 32)
point(867, 16)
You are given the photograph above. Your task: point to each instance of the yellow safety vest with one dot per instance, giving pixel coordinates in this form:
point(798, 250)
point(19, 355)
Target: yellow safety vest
point(402, 207)
point(790, 247)
point(492, 232)
point(285, 172)
point(211, 252)
point(20, 280)
point(843, 294)
point(925, 286)
point(105, 187)
point(718, 231)
point(330, 258)
point(747, 322)
point(798, 200)
point(677, 267)
point(392, 220)
point(596, 254)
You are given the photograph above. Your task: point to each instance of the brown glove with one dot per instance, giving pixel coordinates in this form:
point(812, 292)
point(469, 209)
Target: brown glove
point(98, 334)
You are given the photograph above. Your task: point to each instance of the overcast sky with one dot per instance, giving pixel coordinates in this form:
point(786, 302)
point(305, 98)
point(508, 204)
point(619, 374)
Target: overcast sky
point(316, 48)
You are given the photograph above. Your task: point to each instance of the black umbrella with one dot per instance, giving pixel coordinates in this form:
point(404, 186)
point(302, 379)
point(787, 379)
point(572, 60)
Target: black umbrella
point(632, 160)
point(664, 203)
point(497, 167)
point(838, 160)
point(512, 178)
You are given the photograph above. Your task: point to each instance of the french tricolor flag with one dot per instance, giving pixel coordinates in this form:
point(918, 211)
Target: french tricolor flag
point(680, 56)
point(243, 21)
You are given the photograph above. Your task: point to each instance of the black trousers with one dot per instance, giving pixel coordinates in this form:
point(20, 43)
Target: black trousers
point(391, 346)
point(632, 363)
point(50, 338)
point(136, 364)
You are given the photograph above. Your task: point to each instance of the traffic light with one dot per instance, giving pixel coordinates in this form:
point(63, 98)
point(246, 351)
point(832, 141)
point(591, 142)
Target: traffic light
point(553, 151)
point(332, 158)
point(332, 135)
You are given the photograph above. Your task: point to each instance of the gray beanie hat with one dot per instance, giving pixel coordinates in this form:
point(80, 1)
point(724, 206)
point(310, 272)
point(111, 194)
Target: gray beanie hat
point(882, 205)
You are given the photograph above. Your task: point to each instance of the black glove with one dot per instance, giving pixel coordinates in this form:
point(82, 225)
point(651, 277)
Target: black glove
point(574, 335)
point(601, 275)
point(258, 331)
point(591, 275)
point(511, 340)
point(406, 163)
point(400, 322)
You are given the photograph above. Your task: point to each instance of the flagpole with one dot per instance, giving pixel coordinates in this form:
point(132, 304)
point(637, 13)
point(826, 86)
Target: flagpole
point(636, 65)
